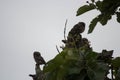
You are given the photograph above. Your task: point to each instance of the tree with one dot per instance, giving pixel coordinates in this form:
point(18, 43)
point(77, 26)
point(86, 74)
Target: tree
point(77, 60)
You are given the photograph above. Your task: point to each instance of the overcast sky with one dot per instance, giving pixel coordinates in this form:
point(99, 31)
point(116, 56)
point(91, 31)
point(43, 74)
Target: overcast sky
point(37, 25)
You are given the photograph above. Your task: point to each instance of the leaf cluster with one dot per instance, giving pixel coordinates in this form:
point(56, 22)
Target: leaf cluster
point(82, 64)
point(107, 9)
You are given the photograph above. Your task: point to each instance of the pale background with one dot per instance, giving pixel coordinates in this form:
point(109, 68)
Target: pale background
point(37, 25)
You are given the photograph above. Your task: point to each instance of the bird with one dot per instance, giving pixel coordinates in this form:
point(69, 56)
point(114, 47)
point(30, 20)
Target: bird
point(74, 36)
point(78, 28)
point(38, 58)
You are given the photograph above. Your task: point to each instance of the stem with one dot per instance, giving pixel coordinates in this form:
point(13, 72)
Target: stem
point(57, 49)
point(65, 29)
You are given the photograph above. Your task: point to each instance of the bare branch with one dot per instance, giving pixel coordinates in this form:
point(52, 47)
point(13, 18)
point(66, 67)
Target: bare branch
point(57, 49)
point(65, 29)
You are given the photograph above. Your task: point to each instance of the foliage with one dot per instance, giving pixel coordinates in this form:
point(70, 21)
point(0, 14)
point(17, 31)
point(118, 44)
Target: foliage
point(80, 62)
point(76, 64)
point(77, 60)
point(107, 9)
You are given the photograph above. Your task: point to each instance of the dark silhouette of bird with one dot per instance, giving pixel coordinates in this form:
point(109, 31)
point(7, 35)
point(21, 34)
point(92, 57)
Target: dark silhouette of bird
point(74, 36)
point(38, 58)
point(77, 29)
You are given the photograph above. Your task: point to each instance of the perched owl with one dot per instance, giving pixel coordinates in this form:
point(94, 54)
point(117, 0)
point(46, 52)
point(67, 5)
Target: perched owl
point(38, 58)
point(74, 37)
point(77, 29)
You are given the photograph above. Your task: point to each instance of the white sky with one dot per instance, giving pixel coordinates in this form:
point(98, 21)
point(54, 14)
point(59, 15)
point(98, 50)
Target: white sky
point(37, 25)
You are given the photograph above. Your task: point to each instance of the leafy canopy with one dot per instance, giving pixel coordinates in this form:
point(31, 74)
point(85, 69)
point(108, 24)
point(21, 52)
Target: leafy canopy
point(107, 9)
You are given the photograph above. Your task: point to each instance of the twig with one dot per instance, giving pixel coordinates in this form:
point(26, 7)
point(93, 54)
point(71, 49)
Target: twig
point(65, 29)
point(57, 49)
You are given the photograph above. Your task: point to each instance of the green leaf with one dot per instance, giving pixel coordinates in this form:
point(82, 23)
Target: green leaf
point(100, 71)
point(104, 18)
point(99, 5)
point(91, 55)
point(61, 72)
point(118, 16)
point(118, 75)
point(53, 64)
point(95, 70)
point(85, 8)
point(81, 76)
point(49, 66)
point(91, 74)
point(51, 75)
point(116, 62)
point(74, 70)
point(93, 24)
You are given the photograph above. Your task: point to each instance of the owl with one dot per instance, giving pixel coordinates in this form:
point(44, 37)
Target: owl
point(38, 58)
point(78, 28)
